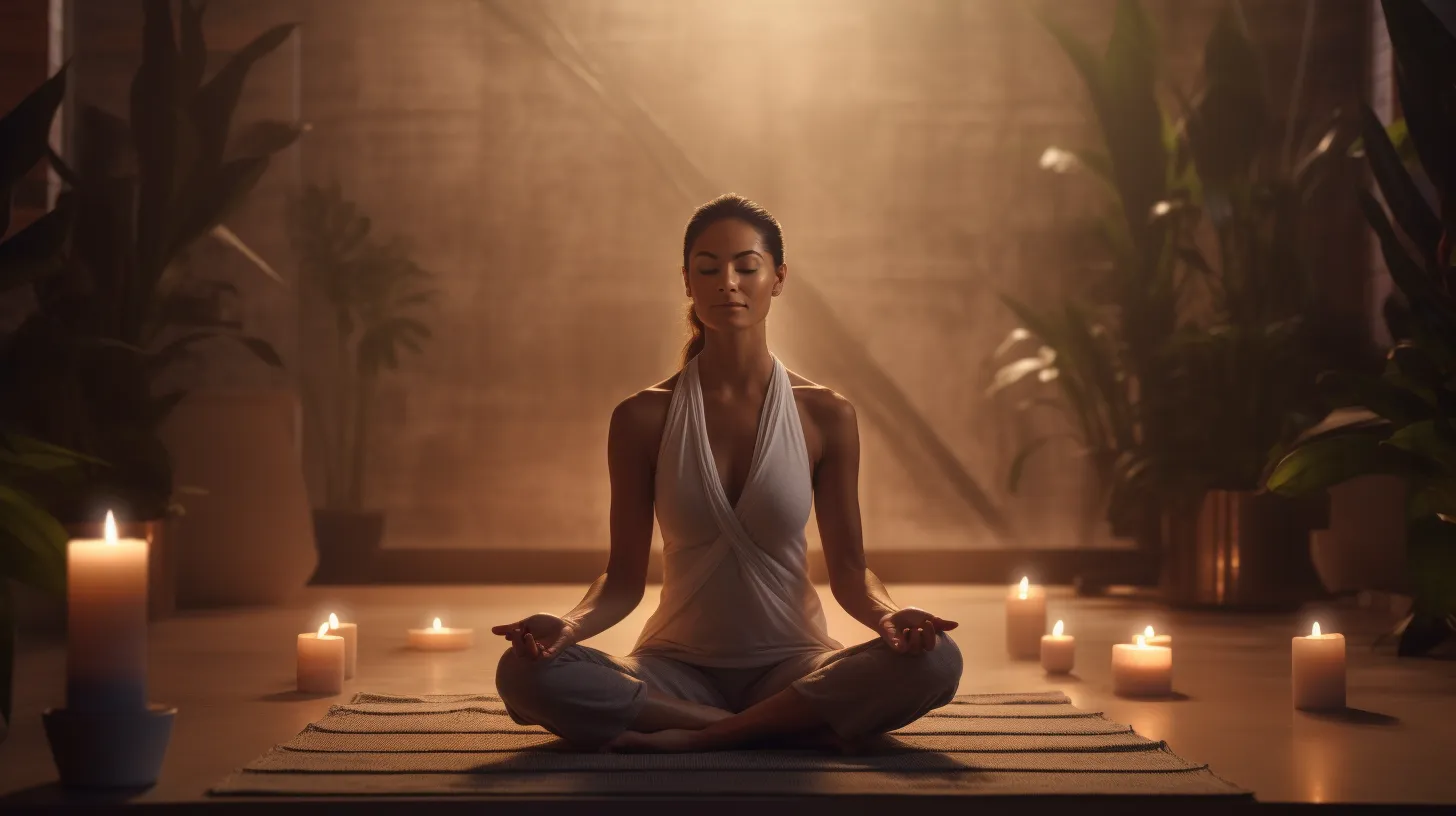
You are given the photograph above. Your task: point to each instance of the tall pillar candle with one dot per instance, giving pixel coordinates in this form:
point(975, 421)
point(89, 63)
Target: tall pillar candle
point(350, 633)
point(320, 662)
point(1025, 620)
point(106, 622)
point(1318, 664)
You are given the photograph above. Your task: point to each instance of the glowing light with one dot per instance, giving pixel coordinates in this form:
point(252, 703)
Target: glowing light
point(1057, 630)
point(323, 630)
point(1148, 632)
point(1314, 631)
point(1023, 587)
point(437, 626)
point(333, 621)
point(111, 537)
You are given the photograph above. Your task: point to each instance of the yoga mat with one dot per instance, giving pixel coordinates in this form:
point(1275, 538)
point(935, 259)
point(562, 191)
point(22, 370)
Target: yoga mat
point(998, 744)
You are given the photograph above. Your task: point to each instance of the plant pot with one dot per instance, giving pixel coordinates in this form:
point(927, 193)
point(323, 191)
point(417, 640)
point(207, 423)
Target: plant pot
point(161, 537)
point(348, 542)
point(248, 541)
point(1231, 549)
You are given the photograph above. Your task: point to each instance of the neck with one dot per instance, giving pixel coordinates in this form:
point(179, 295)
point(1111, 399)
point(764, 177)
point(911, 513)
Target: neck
point(736, 362)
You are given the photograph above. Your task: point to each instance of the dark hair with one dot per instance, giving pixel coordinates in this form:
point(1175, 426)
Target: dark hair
point(728, 205)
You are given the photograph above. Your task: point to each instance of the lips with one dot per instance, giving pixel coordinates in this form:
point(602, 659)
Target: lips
point(732, 305)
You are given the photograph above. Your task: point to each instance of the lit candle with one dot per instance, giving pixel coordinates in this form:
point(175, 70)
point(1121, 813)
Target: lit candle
point(1140, 670)
point(320, 662)
point(1156, 639)
point(106, 623)
point(1058, 651)
point(440, 638)
point(350, 633)
point(1025, 620)
point(1319, 671)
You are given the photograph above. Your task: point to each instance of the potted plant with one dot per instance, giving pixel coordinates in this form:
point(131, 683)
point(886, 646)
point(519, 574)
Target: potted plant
point(1196, 356)
point(372, 290)
point(87, 364)
point(1408, 424)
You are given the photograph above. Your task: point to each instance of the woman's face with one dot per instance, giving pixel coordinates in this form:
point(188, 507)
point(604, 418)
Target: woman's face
point(731, 276)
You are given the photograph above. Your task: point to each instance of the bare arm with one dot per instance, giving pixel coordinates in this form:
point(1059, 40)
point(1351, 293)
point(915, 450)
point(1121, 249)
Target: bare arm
point(836, 502)
point(617, 592)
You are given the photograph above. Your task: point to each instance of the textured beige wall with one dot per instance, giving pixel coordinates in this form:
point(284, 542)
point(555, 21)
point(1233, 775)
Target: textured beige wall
point(896, 141)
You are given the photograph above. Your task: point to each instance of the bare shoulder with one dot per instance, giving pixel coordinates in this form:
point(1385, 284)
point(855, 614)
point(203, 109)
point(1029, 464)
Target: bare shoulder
point(640, 417)
point(831, 412)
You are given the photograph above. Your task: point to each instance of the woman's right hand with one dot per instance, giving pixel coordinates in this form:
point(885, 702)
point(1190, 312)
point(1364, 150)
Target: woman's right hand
point(538, 637)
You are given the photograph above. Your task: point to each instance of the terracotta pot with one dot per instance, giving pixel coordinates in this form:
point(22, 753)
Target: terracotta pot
point(348, 542)
point(1241, 550)
point(249, 540)
point(161, 538)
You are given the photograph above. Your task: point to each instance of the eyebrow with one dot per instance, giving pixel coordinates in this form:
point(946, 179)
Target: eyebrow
point(735, 257)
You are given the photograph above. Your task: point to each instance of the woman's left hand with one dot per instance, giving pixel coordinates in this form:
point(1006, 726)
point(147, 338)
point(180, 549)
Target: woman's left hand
point(912, 630)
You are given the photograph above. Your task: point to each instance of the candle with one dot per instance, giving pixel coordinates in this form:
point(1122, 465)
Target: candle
point(1025, 620)
point(439, 638)
point(1156, 639)
point(320, 662)
point(106, 623)
point(1140, 670)
point(1318, 663)
point(1058, 651)
point(350, 633)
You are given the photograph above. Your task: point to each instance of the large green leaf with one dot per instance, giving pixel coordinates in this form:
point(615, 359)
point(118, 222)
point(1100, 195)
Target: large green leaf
point(1325, 462)
point(1426, 439)
point(1405, 200)
point(214, 104)
point(1425, 63)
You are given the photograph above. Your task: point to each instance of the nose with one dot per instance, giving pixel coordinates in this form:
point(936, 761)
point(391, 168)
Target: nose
point(730, 280)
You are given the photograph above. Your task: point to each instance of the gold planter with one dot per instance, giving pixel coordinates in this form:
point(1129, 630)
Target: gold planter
point(1240, 550)
point(161, 557)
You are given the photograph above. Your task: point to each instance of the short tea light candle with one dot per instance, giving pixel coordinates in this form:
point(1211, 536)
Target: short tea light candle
point(1025, 620)
point(1058, 651)
point(1140, 670)
point(320, 662)
point(106, 624)
point(350, 633)
point(1154, 639)
point(1319, 671)
point(440, 638)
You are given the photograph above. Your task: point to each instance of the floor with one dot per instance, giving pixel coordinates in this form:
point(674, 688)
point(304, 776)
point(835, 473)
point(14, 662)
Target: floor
point(230, 674)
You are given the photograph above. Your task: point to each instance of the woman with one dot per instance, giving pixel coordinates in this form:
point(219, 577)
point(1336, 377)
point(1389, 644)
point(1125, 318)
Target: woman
point(730, 451)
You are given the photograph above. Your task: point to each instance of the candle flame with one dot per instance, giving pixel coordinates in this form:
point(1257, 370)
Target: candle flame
point(1148, 631)
point(323, 630)
point(1315, 632)
point(1023, 587)
point(1057, 630)
point(333, 621)
point(110, 528)
point(437, 624)
point(1142, 642)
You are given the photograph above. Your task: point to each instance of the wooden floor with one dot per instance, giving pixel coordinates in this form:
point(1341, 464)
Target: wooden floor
point(230, 674)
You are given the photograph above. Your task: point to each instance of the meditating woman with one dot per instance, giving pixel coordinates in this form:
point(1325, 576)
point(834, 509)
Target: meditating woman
point(730, 451)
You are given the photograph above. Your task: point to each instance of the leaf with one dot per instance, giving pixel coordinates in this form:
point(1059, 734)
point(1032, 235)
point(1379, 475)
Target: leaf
point(1413, 281)
point(261, 349)
point(213, 107)
point(228, 237)
point(1378, 394)
point(1017, 370)
point(1324, 462)
point(1018, 465)
point(264, 138)
point(25, 130)
point(1406, 203)
point(192, 56)
point(210, 204)
point(1424, 439)
point(32, 543)
point(1425, 68)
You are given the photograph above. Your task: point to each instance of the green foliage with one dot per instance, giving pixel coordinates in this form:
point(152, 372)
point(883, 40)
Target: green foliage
point(1412, 405)
point(1195, 360)
point(373, 290)
point(121, 309)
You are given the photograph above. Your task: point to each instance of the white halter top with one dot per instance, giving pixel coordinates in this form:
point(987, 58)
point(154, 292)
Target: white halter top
point(735, 588)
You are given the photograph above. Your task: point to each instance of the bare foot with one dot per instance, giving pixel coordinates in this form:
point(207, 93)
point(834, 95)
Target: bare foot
point(669, 740)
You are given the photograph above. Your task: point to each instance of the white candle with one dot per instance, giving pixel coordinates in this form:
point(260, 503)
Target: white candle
point(1154, 639)
point(440, 638)
point(1319, 671)
point(320, 662)
point(350, 633)
point(1025, 620)
point(1140, 670)
point(1058, 651)
point(106, 622)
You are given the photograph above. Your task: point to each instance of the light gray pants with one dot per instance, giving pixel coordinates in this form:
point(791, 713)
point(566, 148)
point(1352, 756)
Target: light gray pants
point(587, 697)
